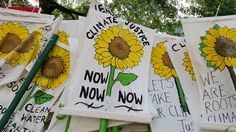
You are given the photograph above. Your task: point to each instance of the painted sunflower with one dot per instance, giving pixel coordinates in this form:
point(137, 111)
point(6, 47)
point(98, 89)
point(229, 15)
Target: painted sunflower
point(55, 69)
point(63, 37)
point(161, 62)
point(218, 47)
point(188, 64)
point(118, 47)
point(11, 36)
point(27, 51)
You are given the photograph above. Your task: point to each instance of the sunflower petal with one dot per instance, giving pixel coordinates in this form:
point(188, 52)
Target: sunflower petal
point(223, 31)
point(136, 48)
point(134, 57)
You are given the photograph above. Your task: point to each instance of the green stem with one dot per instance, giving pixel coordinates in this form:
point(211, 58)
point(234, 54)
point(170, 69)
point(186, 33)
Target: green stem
point(103, 125)
point(149, 128)
point(182, 100)
point(104, 122)
point(29, 97)
point(111, 81)
point(68, 124)
point(115, 129)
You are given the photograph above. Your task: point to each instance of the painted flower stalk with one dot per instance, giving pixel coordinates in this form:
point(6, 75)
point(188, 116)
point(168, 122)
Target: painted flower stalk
point(164, 68)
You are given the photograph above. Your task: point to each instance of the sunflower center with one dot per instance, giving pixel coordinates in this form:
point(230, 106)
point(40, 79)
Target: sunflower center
point(9, 42)
point(167, 61)
point(52, 67)
point(225, 47)
point(26, 45)
point(119, 48)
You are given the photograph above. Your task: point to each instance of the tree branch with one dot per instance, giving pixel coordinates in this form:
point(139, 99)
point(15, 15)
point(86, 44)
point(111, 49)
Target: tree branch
point(55, 5)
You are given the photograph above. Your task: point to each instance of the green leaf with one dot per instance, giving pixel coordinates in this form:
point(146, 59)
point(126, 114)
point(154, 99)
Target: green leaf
point(61, 105)
point(203, 37)
point(217, 27)
point(203, 54)
point(126, 78)
point(202, 45)
point(40, 97)
point(61, 117)
point(209, 64)
point(215, 68)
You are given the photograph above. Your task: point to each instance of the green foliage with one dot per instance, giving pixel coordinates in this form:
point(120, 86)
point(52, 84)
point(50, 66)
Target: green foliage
point(81, 6)
point(209, 7)
point(162, 15)
point(15, 3)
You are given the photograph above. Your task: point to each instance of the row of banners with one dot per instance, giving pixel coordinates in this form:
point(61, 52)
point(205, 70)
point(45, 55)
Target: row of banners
point(107, 67)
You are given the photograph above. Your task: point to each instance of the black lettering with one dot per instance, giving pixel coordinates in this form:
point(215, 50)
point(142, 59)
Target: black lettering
point(84, 92)
point(92, 93)
point(89, 35)
point(121, 97)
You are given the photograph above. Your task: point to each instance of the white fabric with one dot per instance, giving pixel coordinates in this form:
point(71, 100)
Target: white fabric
point(164, 96)
point(29, 21)
point(87, 62)
point(177, 50)
point(31, 116)
point(218, 84)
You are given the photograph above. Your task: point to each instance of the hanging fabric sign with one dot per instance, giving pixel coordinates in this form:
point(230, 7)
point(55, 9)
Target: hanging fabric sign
point(110, 82)
point(179, 56)
point(166, 92)
point(45, 88)
point(212, 51)
point(20, 44)
point(98, 6)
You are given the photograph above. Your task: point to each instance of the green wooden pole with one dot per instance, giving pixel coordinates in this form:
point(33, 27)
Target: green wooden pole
point(103, 125)
point(115, 129)
point(149, 128)
point(27, 81)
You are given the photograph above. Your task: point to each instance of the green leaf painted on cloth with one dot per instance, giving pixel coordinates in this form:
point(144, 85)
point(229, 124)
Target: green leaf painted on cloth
point(217, 27)
point(212, 66)
point(61, 105)
point(202, 45)
point(203, 54)
point(207, 32)
point(126, 78)
point(200, 48)
point(209, 64)
point(41, 97)
point(203, 37)
point(61, 117)
point(215, 68)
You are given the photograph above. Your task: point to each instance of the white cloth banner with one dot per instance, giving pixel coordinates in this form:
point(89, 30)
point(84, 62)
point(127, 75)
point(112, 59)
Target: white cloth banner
point(13, 27)
point(211, 45)
point(62, 123)
point(179, 56)
point(112, 70)
point(98, 6)
point(166, 92)
point(20, 38)
point(47, 85)
point(69, 123)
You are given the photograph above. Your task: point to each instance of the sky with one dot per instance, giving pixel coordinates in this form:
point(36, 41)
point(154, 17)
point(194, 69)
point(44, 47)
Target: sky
point(34, 2)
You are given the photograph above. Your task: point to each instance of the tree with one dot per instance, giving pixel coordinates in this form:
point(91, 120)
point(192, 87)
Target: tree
point(207, 8)
point(162, 15)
